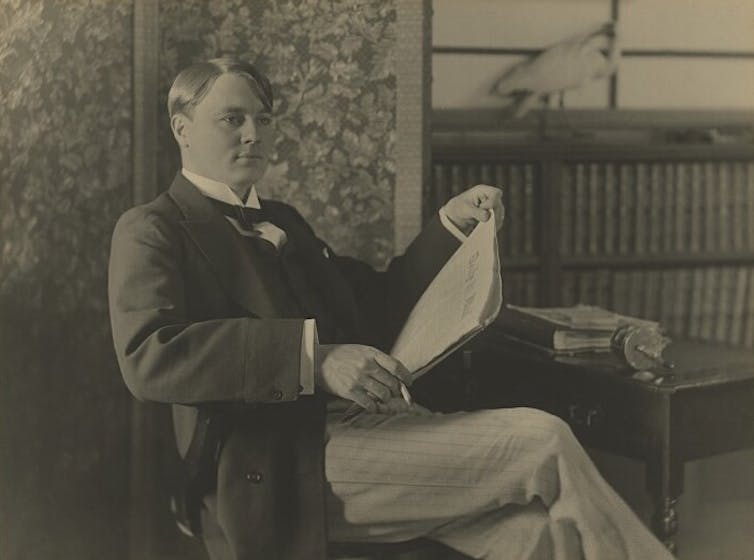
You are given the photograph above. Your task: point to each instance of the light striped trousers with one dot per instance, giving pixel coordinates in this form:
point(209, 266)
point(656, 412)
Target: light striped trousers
point(507, 484)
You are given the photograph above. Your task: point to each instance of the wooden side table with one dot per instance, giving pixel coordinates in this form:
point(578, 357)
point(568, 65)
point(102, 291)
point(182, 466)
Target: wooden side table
point(702, 407)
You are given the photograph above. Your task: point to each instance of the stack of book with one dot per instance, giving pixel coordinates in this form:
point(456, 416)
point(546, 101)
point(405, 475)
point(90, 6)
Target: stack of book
point(564, 330)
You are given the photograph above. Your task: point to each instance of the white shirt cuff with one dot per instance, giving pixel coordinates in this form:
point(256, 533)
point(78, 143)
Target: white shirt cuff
point(451, 227)
point(309, 340)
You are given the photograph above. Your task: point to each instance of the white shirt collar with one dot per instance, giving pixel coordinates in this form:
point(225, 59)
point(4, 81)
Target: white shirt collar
point(220, 191)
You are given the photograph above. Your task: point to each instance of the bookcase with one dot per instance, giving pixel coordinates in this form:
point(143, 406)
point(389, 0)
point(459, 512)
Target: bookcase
point(654, 229)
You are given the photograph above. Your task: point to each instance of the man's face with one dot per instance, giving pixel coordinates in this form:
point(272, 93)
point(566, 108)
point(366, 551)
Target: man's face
point(229, 137)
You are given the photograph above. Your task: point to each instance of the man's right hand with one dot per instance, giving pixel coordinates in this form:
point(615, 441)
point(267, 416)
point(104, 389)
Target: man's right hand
point(359, 373)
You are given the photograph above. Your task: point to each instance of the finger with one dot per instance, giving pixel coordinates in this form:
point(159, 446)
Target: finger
point(480, 214)
point(387, 380)
point(393, 406)
point(380, 391)
point(360, 396)
point(500, 214)
point(393, 367)
point(500, 209)
point(490, 197)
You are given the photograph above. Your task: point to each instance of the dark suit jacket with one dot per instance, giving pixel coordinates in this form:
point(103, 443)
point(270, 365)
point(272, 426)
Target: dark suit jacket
point(195, 322)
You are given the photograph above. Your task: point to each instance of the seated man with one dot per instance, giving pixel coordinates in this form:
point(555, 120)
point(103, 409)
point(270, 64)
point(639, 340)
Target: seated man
point(229, 307)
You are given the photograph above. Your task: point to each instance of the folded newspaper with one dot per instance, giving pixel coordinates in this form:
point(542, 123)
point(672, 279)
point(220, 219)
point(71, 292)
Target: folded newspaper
point(464, 297)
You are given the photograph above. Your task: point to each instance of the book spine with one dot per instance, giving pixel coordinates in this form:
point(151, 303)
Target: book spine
point(655, 231)
point(568, 289)
point(697, 202)
point(748, 330)
point(611, 209)
point(530, 208)
point(739, 210)
point(697, 300)
point(682, 302)
point(650, 300)
point(567, 195)
point(457, 179)
point(668, 279)
point(635, 293)
point(486, 175)
point(682, 196)
point(738, 308)
point(640, 209)
point(625, 222)
point(501, 180)
point(662, 313)
point(517, 209)
point(619, 296)
point(442, 188)
point(709, 299)
point(669, 208)
point(509, 283)
point(594, 190)
point(585, 289)
point(602, 287)
point(726, 195)
point(580, 217)
point(712, 194)
point(473, 174)
point(721, 322)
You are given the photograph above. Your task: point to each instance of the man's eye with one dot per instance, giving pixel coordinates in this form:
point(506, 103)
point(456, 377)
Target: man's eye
point(264, 120)
point(235, 120)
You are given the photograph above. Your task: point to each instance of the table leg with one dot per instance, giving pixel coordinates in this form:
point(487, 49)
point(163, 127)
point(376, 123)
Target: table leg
point(664, 474)
point(665, 484)
point(665, 522)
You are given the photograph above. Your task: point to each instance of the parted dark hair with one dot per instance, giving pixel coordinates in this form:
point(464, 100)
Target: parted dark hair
point(193, 83)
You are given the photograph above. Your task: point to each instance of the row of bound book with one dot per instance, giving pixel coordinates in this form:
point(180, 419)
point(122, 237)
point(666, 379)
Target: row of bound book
point(657, 207)
point(626, 208)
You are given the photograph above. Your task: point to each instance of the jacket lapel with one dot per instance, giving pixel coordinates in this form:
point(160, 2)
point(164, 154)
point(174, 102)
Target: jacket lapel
point(318, 282)
point(223, 249)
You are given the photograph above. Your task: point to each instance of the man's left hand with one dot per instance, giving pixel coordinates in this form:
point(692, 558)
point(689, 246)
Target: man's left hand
point(473, 205)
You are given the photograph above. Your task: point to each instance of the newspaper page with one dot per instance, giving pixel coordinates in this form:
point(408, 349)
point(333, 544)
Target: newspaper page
point(465, 296)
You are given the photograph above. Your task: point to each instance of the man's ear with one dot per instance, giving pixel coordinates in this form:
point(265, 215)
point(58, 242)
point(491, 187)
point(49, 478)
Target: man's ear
point(179, 123)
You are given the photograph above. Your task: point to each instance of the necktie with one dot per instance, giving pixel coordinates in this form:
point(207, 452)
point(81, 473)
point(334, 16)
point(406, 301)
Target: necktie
point(246, 217)
point(254, 223)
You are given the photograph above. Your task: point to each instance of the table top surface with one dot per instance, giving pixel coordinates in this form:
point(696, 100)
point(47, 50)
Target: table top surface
point(697, 364)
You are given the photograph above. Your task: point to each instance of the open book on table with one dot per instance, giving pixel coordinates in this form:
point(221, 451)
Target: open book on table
point(464, 297)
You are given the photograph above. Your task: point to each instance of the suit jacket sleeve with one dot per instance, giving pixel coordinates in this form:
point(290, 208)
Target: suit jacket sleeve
point(166, 356)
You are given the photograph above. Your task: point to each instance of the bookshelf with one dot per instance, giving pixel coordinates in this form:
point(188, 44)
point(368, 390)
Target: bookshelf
point(633, 223)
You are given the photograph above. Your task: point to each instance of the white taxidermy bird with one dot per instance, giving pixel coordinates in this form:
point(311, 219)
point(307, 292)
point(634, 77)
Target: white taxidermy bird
point(566, 65)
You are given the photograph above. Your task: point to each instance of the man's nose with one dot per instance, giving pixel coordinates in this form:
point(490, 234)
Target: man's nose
point(249, 132)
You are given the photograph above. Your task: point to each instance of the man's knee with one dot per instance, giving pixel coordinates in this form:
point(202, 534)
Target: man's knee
point(531, 424)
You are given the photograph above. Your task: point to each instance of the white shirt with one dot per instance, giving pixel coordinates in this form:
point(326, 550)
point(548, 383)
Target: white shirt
point(222, 192)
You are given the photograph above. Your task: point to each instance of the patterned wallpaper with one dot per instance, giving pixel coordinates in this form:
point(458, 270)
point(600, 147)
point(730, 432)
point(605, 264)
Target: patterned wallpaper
point(65, 177)
point(331, 63)
point(65, 173)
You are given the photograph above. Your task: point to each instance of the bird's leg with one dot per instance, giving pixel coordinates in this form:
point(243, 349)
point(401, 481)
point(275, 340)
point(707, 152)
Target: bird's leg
point(570, 129)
